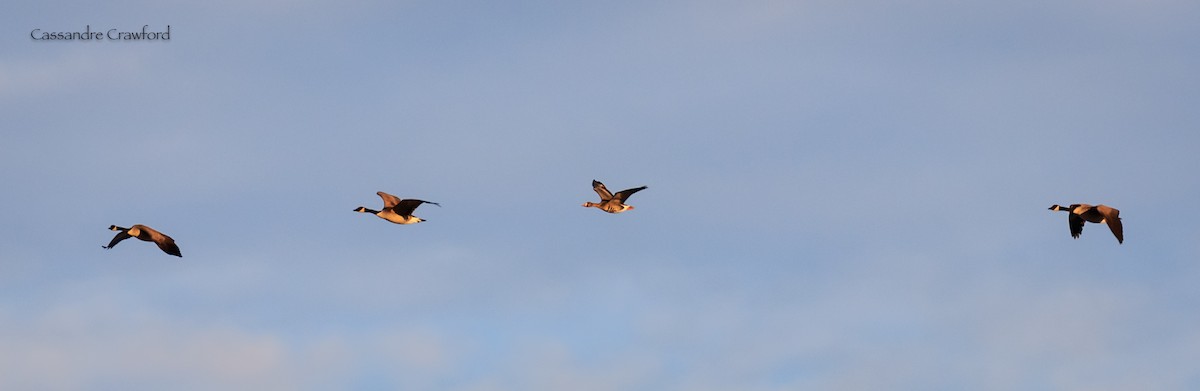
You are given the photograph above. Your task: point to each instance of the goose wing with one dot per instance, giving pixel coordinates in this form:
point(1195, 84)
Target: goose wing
point(121, 235)
point(389, 200)
point(605, 195)
point(1112, 216)
point(1091, 214)
point(168, 245)
point(407, 206)
point(624, 194)
point(164, 242)
point(1076, 225)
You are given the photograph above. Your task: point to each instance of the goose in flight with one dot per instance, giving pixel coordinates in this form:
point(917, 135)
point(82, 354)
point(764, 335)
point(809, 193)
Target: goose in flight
point(1095, 214)
point(397, 210)
point(609, 202)
point(145, 233)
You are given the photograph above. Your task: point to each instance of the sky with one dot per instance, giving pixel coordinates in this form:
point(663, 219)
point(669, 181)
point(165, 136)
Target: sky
point(843, 195)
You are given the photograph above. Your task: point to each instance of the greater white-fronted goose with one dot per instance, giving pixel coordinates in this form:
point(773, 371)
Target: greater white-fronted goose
point(609, 202)
point(145, 233)
point(1096, 214)
point(397, 210)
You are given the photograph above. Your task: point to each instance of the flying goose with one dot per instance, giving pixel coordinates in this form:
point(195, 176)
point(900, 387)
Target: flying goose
point(609, 202)
point(145, 233)
point(397, 210)
point(1095, 214)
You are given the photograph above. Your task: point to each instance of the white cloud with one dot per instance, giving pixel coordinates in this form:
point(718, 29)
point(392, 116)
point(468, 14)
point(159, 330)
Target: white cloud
point(792, 117)
point(73, 347)
point(872, 321)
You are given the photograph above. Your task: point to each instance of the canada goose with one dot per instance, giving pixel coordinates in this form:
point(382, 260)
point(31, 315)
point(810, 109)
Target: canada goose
point(609, 202)
point(397, 210)
point(1095, 214)
point(145, 233)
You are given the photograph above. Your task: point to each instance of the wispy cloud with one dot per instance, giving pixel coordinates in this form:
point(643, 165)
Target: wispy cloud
point(843, 195)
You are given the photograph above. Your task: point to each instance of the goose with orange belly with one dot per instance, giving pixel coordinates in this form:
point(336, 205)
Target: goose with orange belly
point(609, 202)
point(1079, 213)
point(396, 210)
point(164, 242)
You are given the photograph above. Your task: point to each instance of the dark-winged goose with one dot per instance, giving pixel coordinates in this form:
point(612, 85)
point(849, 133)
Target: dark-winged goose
point(1095, 214)
point(145, 233)
point(397, 210)
point(609, 202)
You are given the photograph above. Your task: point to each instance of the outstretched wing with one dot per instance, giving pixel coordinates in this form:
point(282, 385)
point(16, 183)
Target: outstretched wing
point(1112, 216)
point(121, 235)
point(168, 246)
point(605, 195)
point(1076, 225)
point(389, 200)
point(624, 194)
point(407, 206)
point(1114, 224)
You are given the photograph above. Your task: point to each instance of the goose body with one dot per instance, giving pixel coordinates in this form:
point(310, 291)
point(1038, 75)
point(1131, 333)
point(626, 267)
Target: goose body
point(609, 202)
point(164, 242)
point(396, 210)
point(1079, 213)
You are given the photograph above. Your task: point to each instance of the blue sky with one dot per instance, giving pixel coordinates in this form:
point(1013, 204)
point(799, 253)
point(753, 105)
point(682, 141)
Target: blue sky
point(842, 195)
